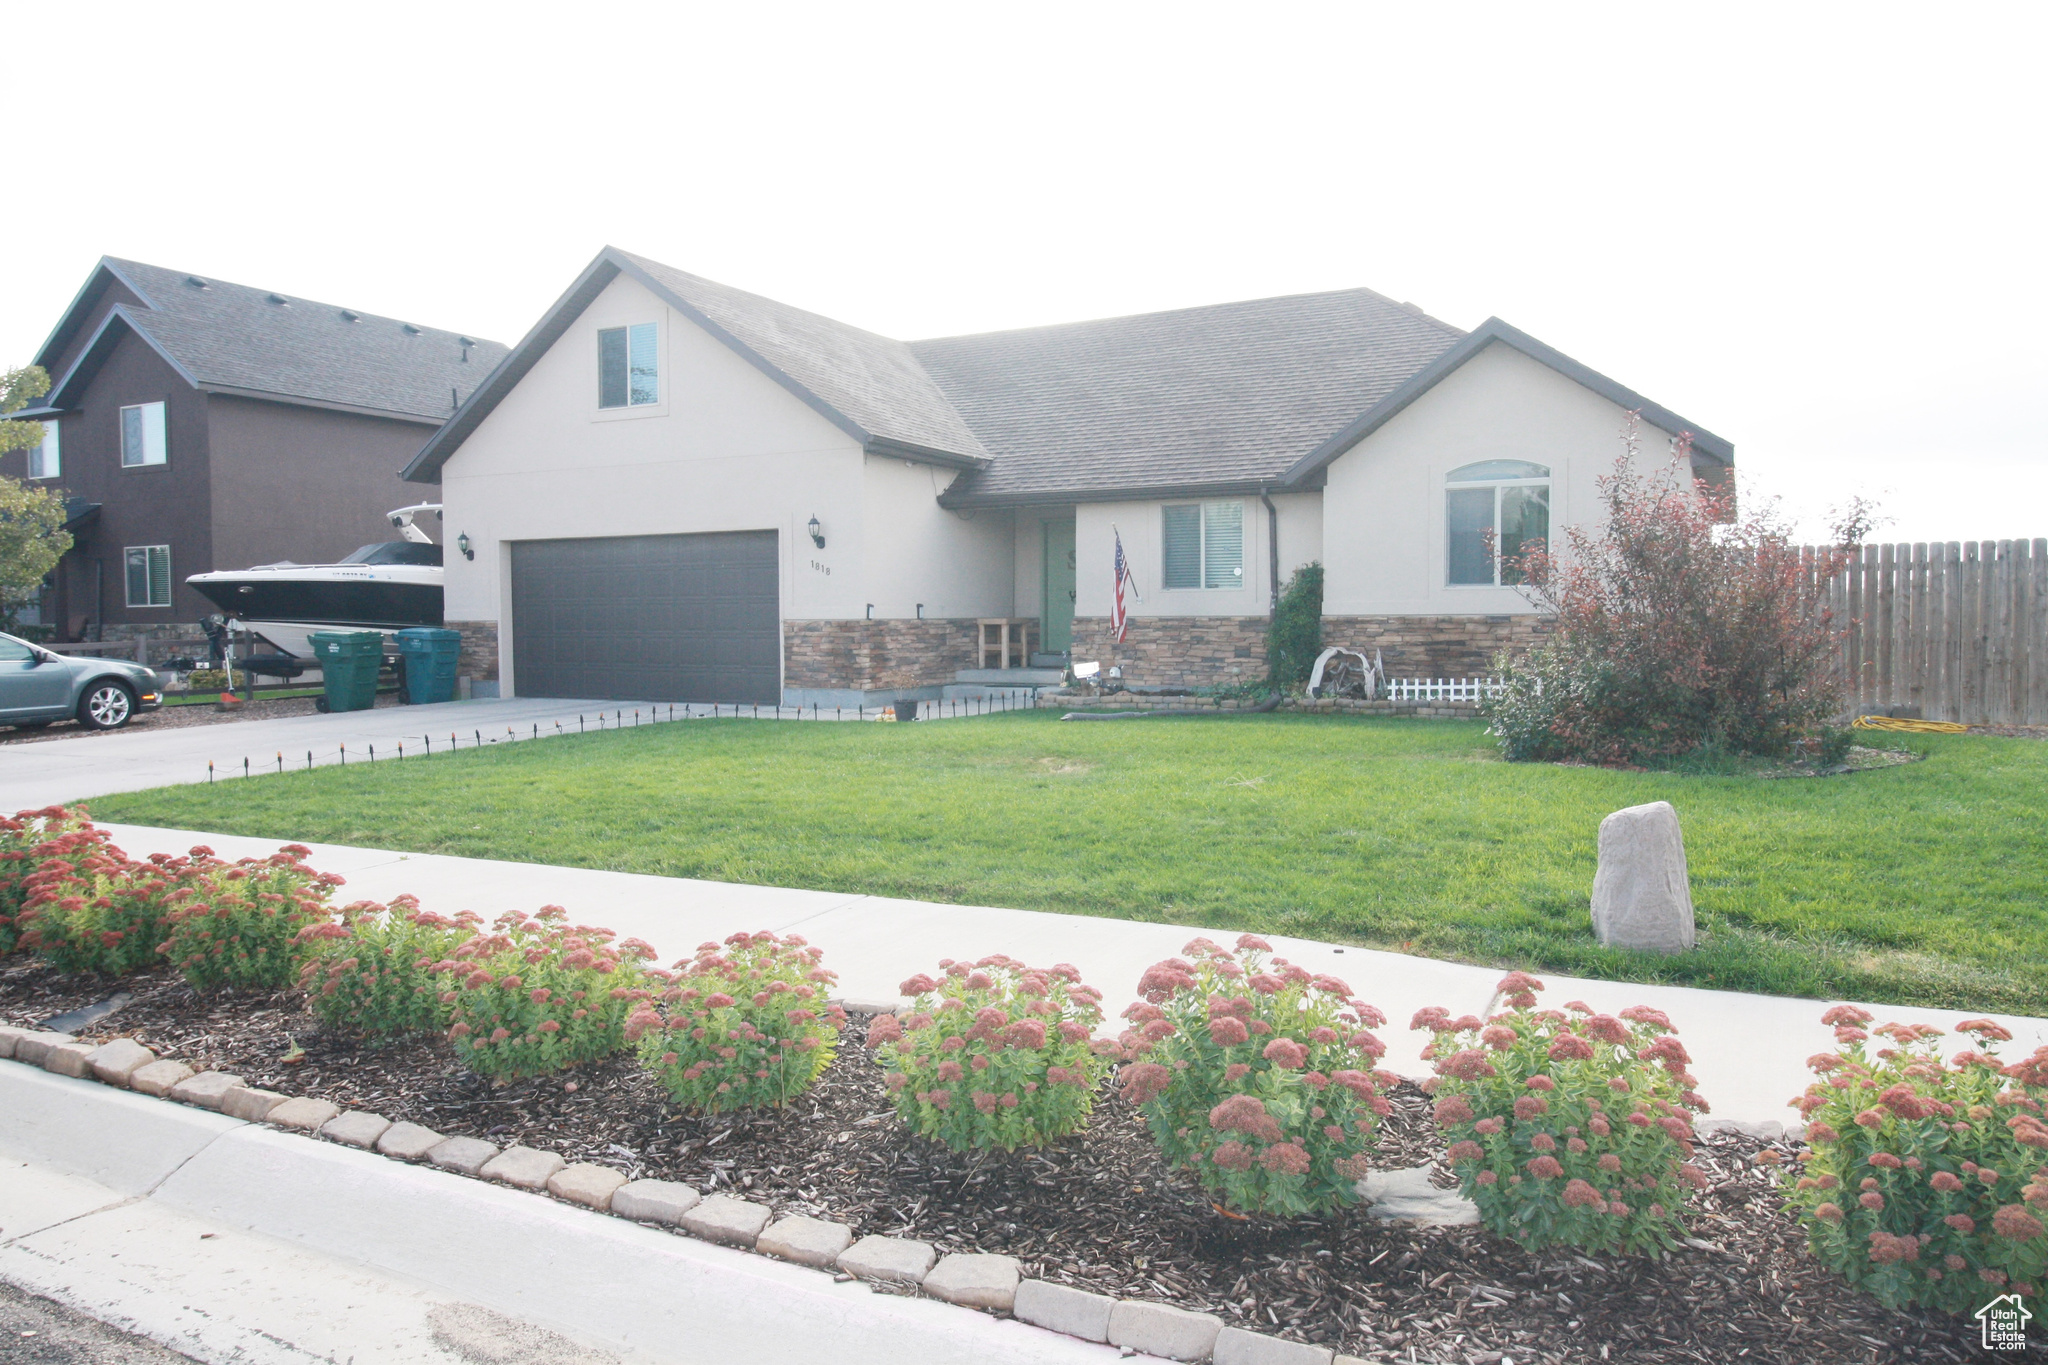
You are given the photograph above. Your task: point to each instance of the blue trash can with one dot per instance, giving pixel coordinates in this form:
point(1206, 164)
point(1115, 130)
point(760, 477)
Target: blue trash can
point(430, 657)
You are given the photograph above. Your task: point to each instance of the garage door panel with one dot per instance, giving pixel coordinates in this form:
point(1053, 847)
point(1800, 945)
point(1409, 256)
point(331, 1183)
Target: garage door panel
point(651, 618)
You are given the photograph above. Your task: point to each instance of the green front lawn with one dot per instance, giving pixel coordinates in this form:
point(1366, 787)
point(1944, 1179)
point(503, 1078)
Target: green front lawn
point(1923, 884)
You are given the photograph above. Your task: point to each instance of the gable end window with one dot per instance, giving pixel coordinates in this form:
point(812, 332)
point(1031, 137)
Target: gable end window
point(44, 460)
point(1491, 511)
point(142, 435)
point(1203, 545)
point(627, 373)
point(149, 575)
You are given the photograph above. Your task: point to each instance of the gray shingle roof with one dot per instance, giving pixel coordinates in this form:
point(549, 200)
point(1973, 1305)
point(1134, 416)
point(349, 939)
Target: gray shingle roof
point(874, 380)
point(232, 336)
point(1229, 393)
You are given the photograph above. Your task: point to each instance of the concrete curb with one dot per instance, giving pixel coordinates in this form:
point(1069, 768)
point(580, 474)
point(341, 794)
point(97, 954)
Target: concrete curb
point(561, 1265)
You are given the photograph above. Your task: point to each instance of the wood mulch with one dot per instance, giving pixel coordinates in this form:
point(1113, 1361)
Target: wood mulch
point(1099, 1211)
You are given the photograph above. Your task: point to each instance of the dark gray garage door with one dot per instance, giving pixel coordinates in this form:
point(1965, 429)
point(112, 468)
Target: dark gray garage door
point(648, 618)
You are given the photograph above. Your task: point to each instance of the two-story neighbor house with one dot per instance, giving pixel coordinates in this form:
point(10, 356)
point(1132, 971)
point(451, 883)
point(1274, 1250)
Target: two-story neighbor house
point(196, 424)
point(678, 490)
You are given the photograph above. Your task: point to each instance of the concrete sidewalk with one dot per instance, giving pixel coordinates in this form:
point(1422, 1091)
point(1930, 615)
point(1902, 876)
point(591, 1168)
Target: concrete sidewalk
point(1748, 1051)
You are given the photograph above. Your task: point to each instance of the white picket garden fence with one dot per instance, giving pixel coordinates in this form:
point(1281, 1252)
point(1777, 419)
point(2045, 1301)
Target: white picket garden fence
point(1440, 689)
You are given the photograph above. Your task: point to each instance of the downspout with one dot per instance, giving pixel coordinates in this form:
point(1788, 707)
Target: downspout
point(1272, 554)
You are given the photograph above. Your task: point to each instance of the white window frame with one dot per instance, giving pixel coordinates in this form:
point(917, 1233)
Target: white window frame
point(149, 553)
point(1238, 582)
point(46, 459)
point(155, 437)
point(633, 402)
point(1499, 486)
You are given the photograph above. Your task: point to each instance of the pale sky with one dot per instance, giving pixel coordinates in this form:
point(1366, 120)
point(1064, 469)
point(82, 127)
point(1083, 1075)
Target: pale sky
point(1817, 230)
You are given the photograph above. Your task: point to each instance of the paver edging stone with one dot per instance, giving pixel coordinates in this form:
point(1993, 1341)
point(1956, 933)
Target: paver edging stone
point(32, 1046)
point(69, 1059)
point(968, 1279)
point(463, 1155)
point(113, 1063)
point(8, 1034)
point(248, 1103)
point(807, 1241)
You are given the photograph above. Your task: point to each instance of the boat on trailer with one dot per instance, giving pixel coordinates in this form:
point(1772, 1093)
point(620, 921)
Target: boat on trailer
point(386, 587)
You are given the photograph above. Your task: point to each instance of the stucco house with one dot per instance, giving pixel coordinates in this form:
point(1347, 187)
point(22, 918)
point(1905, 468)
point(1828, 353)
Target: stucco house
point(673, 489)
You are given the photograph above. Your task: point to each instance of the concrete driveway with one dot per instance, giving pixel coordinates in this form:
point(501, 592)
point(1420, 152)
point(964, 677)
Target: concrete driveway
point(37, 775)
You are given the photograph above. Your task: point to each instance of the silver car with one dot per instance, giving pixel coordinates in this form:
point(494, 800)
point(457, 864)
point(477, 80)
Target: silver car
point(37, 687)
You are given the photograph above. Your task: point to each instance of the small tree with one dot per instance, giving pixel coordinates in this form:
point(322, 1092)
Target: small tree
point(32, 534)
point(1295, 636)
point(1677, 626)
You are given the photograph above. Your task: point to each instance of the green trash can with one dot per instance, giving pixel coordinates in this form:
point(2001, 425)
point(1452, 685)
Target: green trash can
point(430, 657)
point(348, 661)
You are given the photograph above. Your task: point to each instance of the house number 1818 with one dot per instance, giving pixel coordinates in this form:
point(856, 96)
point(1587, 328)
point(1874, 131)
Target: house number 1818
point(825, 569)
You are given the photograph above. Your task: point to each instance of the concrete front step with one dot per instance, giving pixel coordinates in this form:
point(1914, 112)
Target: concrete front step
point(1012, 677)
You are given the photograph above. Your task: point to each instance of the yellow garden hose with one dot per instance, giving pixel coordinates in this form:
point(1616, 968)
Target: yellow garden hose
point(1917, 727)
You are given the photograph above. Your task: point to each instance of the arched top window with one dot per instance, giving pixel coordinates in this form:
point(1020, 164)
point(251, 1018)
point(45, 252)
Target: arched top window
point(1493, 511)
point(1494, 471)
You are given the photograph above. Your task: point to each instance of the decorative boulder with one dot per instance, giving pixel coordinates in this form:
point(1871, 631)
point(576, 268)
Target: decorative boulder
point(1641, 898)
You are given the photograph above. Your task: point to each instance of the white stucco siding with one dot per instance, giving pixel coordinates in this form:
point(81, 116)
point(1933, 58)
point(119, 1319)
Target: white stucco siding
point(1384, 541)
point(1097, 524)
point(957, 565)
point(727, 449)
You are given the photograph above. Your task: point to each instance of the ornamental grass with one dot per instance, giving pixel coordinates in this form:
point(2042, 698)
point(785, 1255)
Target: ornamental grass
point(1254, 1075)
point(993, 1054)
point(1567, 1127)
point(538, 995)
point(1924, 1179)
point(746, 1023)
point(371, 970)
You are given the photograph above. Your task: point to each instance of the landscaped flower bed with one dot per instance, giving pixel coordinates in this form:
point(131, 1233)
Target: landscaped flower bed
point(1112, 1208)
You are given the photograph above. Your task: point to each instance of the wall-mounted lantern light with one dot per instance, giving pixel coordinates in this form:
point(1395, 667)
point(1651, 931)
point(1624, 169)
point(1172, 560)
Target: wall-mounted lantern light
point(920, 611)
point(462, 544)
point(817, 533)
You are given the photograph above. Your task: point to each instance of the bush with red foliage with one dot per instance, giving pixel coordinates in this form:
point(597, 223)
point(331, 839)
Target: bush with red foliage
point(1676, 626)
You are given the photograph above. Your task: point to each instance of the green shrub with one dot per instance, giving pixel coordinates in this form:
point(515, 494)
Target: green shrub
point(747, 1024)
point(1924, 1180)
point(1295, 636)
point(1567, 1128)
point(1254, 1076)
point(92, 909)
point(237, 924)
point(539, 996)
point(25, 840)
point(372, 970)
point(993, 1054)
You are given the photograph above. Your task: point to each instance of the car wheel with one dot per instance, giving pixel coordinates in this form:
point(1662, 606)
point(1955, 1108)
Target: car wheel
point(106, 706)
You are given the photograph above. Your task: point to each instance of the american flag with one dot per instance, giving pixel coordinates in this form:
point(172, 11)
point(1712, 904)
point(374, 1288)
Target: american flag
point(1119, 619)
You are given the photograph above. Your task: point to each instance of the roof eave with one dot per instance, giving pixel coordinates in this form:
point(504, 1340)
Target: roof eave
point(1060, 497)
point(1495, 330)
point(906, 450)
point(80, 302)
point(93, 354)
point(301, 401)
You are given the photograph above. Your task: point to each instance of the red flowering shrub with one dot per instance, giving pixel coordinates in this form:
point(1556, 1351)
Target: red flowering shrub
point(1254, 1075)
point(992, 1054)
point(1926, 1181)
point(237, 924)
point(747, 1023)
point(25, 840)
point(539, 996)
point(89, 908)
point(1567, 1126)
point(372, 971)
point(1676, 626)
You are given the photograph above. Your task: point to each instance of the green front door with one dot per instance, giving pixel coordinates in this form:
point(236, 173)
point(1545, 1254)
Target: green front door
point(1056, 626)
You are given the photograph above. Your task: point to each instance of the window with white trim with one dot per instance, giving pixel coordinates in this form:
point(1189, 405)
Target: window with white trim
point(627, 371)
point(1202, 545)
point(1492, 511)
point(44, 460)
point(142, 435)
point(149, 575)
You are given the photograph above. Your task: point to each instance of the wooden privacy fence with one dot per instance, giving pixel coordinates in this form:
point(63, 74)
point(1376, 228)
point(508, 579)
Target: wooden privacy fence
point(1959, 630)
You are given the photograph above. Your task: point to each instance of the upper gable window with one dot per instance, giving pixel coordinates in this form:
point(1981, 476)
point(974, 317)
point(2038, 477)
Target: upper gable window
point(627, 373)
point(142, 435)
point(1203, 544)
point(1492, 510)
point(44, 460)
